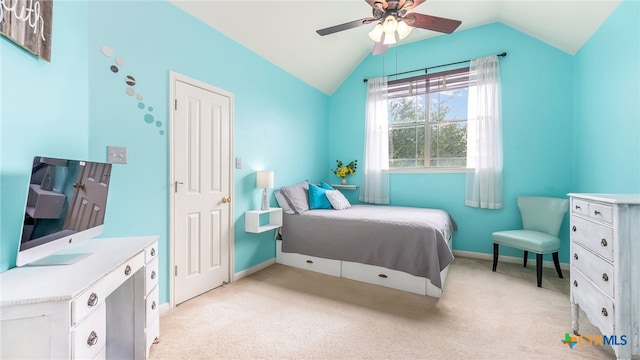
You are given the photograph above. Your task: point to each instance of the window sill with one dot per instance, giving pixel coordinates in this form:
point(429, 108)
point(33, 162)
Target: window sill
point(429, 171)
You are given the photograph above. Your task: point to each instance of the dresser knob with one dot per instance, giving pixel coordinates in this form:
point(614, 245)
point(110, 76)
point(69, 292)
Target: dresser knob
point(596, 212)
point(575, 283)
point(574, 228)
point(153, 252)
point(603, 242)
point(383, 276)
point(575, 256)
point(309, 261)
point(127, 270)
point(604, 312)
point(92, 339)
point(93, 300)
point(605, 277)
point(153, 275)
point(578, 207)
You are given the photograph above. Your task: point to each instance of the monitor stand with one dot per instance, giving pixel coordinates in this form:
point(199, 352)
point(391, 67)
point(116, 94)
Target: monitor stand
point(59, 259)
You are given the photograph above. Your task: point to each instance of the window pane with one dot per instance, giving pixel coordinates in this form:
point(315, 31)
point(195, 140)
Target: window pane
point(406, 146)
point(448, 105)
point(448, 144)
point(405, 110)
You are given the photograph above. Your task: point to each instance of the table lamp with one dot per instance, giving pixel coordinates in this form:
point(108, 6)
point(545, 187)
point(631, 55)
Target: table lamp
point(264, 180)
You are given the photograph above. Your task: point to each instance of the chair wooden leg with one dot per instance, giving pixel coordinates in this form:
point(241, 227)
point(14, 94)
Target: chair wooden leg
point(526, 256)
point(539, 269)
point(495, 255)
point(556, 262)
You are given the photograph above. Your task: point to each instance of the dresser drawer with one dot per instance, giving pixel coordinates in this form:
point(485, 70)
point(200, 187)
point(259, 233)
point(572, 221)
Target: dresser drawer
point(601, 212)
point(89, 338)
point(580, 207)
point(595, 237)
point(595, 304)
point(151, 276)
point(596, 269)
point(86, 303)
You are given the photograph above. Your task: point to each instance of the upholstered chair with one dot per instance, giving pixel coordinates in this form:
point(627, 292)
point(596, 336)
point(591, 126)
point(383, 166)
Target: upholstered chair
point(541, 221)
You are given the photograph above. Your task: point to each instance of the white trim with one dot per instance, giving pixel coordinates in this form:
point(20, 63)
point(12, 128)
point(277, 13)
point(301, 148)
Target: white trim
point(254, 269)
point(507, 259)
point(164, 308)
point(427, 170)
point(173, 77)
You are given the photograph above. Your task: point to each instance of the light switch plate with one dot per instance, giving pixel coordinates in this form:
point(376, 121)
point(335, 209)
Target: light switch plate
point(116, 154)
point(238, 163)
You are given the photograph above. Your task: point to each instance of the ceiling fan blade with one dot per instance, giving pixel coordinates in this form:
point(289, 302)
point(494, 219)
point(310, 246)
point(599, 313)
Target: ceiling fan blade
point(410, 4)
point(433, 23)
point(379, 47)
point(345, 26)
point(377, 4)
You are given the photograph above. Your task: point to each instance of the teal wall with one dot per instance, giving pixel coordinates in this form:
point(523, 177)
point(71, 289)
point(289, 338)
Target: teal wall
point(537, 103)
point(553, 110)
point(43, 111)
point(82, 107)
point(607, 108)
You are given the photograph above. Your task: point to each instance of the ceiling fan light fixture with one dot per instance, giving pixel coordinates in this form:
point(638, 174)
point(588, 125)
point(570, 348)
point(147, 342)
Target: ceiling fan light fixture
point(390, 25)
point(389, 39)
point(403, 30)
point(376, 33)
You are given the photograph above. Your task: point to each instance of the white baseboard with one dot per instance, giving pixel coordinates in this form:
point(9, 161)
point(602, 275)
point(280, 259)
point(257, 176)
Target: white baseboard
point(246, 272)
point(164, 308)
point(508, 259)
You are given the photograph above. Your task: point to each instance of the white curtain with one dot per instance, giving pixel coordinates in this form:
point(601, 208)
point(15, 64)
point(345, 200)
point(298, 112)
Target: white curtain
point(375, 184)
point(484, 135)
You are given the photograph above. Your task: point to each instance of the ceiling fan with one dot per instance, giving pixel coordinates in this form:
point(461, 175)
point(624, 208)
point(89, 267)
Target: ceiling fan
point(392, 18)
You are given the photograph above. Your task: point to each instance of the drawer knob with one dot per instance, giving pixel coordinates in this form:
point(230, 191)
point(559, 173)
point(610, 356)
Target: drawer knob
point(383, 276)
point(596, 212)
point(153, 305)
point(578, 207)
point(153, 252)
point(575, 283)
point(153, 275)
point(574, 228)
point(575, 256)
point(604, 312)
point(309, 261)
point(92, 339)
point(93, 300)
point(127, 270)
point(603, 242)
point(605, 277)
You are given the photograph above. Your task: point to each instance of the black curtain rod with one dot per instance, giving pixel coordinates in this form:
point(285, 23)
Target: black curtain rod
point(433, 67)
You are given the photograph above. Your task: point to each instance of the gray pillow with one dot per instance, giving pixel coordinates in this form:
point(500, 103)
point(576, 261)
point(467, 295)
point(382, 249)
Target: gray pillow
point(283, 203)
point(297, 196)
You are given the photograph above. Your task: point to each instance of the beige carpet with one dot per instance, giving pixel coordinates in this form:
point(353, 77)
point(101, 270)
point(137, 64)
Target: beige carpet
point(287, 313)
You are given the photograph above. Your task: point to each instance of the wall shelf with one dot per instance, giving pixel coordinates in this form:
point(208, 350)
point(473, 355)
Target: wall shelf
point(252, 220)
point(344, 187)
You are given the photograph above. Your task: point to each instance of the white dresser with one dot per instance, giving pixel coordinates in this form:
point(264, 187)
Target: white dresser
point(103, 306)
point(605, 267)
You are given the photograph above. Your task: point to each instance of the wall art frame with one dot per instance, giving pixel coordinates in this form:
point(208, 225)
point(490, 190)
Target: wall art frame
point(28, 23)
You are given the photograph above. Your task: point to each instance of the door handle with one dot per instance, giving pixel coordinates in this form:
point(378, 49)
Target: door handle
point(226, 200)
point(176, 185)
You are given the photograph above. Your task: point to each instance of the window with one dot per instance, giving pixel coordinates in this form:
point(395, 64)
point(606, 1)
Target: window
point(428, 121)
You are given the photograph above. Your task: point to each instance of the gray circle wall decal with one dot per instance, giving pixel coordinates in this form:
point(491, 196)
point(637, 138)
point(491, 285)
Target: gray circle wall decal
point(130, 80)
point(114, 68)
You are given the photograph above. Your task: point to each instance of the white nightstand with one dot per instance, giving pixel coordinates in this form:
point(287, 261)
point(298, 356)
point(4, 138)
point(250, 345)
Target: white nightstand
point(252, 220)
point(344, 187)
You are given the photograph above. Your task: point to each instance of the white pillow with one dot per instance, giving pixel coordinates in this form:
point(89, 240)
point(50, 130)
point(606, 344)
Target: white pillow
point(337, 200)
point(283, 203)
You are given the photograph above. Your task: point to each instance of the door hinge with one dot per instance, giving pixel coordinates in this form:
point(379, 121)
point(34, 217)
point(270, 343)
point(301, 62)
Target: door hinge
point(175, 104)
point(175, 270)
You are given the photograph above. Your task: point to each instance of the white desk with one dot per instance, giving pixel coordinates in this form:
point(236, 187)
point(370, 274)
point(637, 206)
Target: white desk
point(103, 306)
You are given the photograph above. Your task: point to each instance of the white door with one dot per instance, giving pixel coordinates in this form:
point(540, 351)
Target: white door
point(201, 174)
point(88, 203)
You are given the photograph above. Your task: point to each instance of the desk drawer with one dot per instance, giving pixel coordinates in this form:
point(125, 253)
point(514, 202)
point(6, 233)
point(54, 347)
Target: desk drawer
point(152, 308)
point(151, 252)
point(86, 303)
point(151, 276)
point(123, 273)
point(597, 270)
point(89, 338)
point(595, 237)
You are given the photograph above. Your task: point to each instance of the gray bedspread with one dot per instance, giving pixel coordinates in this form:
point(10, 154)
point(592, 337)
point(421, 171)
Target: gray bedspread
point(408, 239)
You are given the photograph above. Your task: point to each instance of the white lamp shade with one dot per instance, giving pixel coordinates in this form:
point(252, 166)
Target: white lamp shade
point(389, 39)
point(403, 30)
point(376, 33)
point(264, 179)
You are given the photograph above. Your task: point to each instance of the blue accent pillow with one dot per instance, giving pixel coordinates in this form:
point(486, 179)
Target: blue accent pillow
point(318, 198)
point(326, 186)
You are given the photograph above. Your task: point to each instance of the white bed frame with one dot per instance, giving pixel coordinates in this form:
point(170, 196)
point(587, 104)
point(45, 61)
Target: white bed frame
point(371, 274)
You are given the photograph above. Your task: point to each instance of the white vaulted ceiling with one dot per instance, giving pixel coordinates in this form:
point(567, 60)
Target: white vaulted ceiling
point(283, 32)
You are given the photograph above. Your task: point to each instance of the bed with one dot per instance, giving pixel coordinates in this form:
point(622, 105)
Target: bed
point(405, 248)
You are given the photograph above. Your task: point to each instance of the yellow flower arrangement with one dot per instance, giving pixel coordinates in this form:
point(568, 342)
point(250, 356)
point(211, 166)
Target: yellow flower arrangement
point(344, 170)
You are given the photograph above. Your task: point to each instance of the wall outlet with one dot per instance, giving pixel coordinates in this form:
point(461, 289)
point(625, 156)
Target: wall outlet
point(116, 155)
